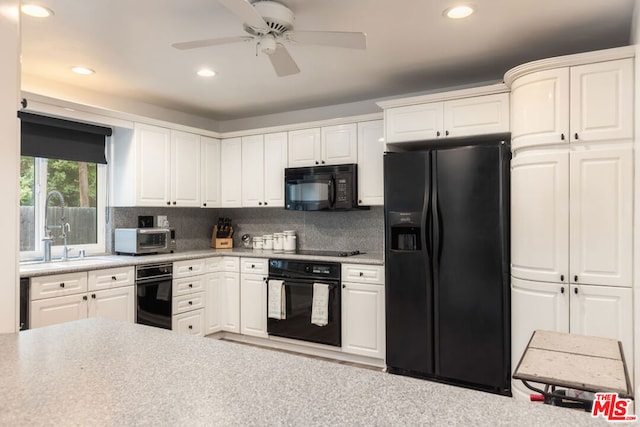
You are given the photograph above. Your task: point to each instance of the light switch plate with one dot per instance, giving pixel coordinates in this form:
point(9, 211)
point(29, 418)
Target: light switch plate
point(162, 221)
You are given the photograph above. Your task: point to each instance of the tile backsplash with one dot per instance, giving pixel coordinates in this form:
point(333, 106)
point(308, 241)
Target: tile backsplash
point(361, 230)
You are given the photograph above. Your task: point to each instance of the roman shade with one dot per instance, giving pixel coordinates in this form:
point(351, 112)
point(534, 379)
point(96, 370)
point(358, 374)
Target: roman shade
point(54, 138)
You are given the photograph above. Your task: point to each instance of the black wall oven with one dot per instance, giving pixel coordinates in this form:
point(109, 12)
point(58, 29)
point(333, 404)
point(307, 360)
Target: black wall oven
point(299, 278)
point(153, 294)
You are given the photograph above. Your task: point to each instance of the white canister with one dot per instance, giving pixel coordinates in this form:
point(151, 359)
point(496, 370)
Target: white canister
point(267, 241)
point(290, 243)
point(278, 242)
point(289, 232)
point(258, 242)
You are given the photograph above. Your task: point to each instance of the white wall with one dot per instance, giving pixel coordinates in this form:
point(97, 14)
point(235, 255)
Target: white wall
point(10, 155)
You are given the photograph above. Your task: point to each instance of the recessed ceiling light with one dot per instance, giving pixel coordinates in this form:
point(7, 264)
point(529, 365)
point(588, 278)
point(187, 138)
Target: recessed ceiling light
point(36, 10)
point(459, 12)
point(83, 70)
point(205, 72)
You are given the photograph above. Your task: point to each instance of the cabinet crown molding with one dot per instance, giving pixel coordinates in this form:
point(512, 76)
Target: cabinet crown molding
point(445, 96)
point(569, 61)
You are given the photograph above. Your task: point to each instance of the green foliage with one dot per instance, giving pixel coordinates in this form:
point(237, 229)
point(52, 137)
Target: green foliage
point(27, 167)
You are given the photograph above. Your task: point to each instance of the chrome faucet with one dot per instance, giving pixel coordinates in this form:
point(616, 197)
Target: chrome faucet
point(64, 227)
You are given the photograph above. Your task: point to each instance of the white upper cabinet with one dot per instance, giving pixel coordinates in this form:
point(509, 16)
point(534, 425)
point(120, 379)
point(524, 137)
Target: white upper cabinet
point(231, 172)
point(156, 166)
point(540, 216)
point(185, 169)
point(339, 144)
point(304, 148)
point(571, 216)
point(210, 172)
point(371, 147)
point(329, 145)
point(465, 116)
point(592, 102)
point(264, 158)
point(601, 217)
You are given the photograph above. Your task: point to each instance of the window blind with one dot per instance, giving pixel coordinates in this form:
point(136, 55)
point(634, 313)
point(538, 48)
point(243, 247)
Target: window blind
point(53, 138)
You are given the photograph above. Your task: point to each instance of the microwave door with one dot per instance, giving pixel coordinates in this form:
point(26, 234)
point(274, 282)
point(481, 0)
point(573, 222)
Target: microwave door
point(309, 194)
point(151, 240)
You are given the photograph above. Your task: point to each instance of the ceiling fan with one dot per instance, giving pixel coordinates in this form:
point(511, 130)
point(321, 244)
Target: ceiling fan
point(271, 23)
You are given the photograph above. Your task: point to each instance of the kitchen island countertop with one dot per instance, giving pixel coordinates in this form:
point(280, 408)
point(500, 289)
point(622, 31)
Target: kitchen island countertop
point(107, 373)
point(108, 260)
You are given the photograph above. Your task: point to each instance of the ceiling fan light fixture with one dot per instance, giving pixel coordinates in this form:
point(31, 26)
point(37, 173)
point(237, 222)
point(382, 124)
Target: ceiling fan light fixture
point(35, 10)
point(267, 45)
point(83, 71)
point(459, 12)
point(206, 72)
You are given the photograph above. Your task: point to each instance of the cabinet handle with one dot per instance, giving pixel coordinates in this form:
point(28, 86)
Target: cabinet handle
point(191, 285)
point(259, 203)
point(361, 274)
point(575, 278)
point(359, 202)
point(265, 203)
point(576, 135)
point(168, 203)
point(113, 278)
point(562, 290)
point(317, 162)
point(575, 291)
point(190, 326)
point(344, 286)
point(190, 268)
point(174, 203)
point(562, 277)
point(93, 296)
point(84, 297)
point(446, 133)
point(562, 136)
point(190, 302)
point(204, 204)
point(62, 285)
point(438, 133)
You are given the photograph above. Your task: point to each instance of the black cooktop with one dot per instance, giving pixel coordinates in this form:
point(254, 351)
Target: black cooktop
point(328, 253)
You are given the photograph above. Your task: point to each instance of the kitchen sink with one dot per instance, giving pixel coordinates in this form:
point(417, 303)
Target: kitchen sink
point(73, 262)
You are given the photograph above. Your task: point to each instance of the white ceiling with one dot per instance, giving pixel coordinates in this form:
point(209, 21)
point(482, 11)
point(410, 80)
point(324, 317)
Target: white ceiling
point(411, 48)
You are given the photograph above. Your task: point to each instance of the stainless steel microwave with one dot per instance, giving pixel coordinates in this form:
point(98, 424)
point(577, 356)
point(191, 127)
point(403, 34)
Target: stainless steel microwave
point(141, 241)
point(319, 188)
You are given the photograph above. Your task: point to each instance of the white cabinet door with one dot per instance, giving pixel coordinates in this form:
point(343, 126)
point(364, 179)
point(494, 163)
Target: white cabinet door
point(601, 217)
point(604, 311)
point(477, 115)
point(52, 311)
point(370, 163)
point(275, 161)
point(540, 108)
point(535, 305)
point(115, 304)
point(252, 170)
point(540, 217)
point(602, 101)
point(231, 172)
point(339, 144)
point(185, 169)
point(304, 148)
point(253, 305)
point(363, 319)
point(191, 323)
point(213, 301)
point(210, 172)
point(414, 122)
point(230, 302)
point(153, 153)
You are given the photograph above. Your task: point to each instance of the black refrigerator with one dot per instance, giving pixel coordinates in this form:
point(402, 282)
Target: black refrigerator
point(447, 295)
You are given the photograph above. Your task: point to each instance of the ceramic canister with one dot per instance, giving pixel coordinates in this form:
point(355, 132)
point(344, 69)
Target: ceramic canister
point(267, 240)
point(278, 242)
point(258, 242)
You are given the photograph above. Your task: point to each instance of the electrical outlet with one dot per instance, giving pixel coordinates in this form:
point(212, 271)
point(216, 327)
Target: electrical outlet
point(162, 221)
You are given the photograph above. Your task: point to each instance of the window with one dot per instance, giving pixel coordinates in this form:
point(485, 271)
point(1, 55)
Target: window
point(83, 187)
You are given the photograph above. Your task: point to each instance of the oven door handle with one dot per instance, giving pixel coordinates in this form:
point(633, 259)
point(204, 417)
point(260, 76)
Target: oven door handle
point(303, 282)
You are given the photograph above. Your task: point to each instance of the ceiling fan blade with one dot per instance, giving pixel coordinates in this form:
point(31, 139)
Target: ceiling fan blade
point(210, 42)
point(282, 62)
point(350, 40)
point(245, 11)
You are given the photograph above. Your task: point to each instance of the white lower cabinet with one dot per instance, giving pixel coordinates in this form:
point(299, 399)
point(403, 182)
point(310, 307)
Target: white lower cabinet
point(581, 309)
point(222, 295)
point(253, 297)
point(60, 298)
point(188, 300)
point(191, 322)
point(363, 310)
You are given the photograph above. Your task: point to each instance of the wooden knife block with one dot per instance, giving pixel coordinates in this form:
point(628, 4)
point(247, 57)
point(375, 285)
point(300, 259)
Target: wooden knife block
point(221, 243)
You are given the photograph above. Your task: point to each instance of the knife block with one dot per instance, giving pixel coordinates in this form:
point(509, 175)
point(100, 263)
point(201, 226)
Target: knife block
point(221, 243)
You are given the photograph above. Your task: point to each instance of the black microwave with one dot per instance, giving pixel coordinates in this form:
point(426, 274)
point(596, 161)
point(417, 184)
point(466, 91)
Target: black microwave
point(319, 188)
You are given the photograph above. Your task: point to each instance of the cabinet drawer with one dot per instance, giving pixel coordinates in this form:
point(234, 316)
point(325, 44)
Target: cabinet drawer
point(363, 273)
point(231, 263)
point(254, 265)
point(189, 302)
point(191, 322)
point(110, 278)
point(213, 265)
point(191, 267)
point(188, 285)
point(58, 285)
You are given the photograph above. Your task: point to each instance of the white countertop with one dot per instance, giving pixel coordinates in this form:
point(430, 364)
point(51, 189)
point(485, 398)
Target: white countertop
point(108, 261)
point(106, 373)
